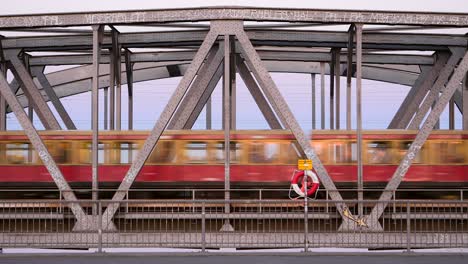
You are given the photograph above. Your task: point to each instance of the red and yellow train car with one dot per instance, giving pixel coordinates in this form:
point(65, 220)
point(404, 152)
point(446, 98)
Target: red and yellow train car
point(258, 158)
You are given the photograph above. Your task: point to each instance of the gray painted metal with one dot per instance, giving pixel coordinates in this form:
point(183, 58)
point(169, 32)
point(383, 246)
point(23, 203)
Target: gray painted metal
point(41, 149)
point(183, 116)
point(97, 38)
point(434, 92)
point(281, 108)
point(38, 72)
point(29, 87)
point(257, 95)
point(161, 124)
point(288, 38)
point(112, 92)
point(227, 86)
point(3, 105)
point(421, 137)
point(313, 100)
point(233, 87)
point(452, 114)
point(232, 13)
point(117, 56)
point(349, 75)
point(106, 108)
point(208, 114)
point(465, 102)
point(360, 179)
point(322, 95)
point(458, 99)
point(417, 93)
point(331, 76)
point(274, 55)
point(129, 75)
point(337, 87)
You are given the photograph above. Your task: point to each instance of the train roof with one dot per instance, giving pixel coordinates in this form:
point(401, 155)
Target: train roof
point(235, 134)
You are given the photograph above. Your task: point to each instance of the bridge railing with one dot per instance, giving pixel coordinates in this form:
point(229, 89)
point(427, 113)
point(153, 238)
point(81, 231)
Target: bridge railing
point(237, 193)
point(243, 224)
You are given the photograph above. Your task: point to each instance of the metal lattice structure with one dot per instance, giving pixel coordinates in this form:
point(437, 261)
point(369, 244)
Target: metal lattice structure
point(218, 42)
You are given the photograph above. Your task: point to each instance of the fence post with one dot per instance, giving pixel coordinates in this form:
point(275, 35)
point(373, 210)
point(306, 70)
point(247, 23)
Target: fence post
point(408, 228)
point(203, 234)
point(306, 215)
point(99, 227)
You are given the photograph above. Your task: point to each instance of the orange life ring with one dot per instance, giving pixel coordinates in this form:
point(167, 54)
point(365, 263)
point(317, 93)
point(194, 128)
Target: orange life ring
point(312, 184)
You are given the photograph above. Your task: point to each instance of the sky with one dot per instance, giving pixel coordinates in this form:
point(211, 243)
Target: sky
point(150, 97)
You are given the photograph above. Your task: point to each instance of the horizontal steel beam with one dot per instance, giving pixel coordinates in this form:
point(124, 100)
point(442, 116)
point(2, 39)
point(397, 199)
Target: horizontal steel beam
point(292, 38)
point(369, 58)
point(238, 13)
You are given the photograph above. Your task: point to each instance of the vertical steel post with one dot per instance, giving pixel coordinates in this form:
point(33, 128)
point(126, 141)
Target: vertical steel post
point(129, 73)
point(99, 206)
point(30, 109)
point(97, 38)
point(3, 105)
point(232, 76)
point(111, 91)
point(465, 102)
point(116, 53)
point(226, 119)
point(322, 95)
point(408, 228)
point(306, 214)
point(106, 106)
point(452, 114)
point(208, 114)
point(30, 99)
point(331, 75)
point(349, 75)
point(358, 28)
point(203, 228)
point(337, 87)
point(313, 100)
point(437, 124)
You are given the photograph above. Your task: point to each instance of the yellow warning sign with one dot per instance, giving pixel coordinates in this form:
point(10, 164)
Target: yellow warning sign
point(304, 164)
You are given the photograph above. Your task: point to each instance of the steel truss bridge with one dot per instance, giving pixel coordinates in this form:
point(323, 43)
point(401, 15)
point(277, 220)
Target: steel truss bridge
point(216, 43)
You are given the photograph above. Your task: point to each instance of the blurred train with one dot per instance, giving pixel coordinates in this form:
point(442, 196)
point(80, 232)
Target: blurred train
point(258, 158)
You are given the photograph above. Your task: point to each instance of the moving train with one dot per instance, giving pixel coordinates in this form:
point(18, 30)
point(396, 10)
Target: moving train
point(258, 158)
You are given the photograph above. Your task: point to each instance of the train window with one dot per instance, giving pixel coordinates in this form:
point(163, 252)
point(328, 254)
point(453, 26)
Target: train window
point(379, 152)
point(20, 153)
point(403, 149)
point(3, 159)
point(196, 152)
point(449, 152)
point(343, 152)
point(264, 152)
point(164, 152)
point(128, 152)
point(85, 153)
point(291, 154)
point(60, 151)
point(234, 152)
point(320, 148)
